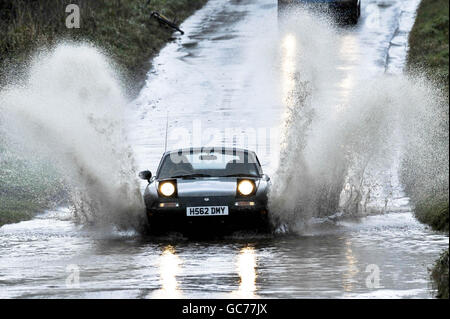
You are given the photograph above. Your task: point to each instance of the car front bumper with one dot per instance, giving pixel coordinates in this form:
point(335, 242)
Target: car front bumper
point(174, 219)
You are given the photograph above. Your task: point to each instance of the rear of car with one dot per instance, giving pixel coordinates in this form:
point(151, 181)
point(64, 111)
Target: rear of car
point(347, 11)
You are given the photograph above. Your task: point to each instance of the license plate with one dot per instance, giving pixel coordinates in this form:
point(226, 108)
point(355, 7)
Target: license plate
point(207, 211)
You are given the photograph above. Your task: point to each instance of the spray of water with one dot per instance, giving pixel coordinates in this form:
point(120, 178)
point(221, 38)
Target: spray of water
point(68, 110)
point(346, 154)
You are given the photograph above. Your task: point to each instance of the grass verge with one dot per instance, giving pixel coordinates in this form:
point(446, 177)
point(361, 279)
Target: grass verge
point(429, 53)
point(428, 41)
point(124, 29)
point(439, 274)
point(433, 212)
point(14, 210)
point(27, 186)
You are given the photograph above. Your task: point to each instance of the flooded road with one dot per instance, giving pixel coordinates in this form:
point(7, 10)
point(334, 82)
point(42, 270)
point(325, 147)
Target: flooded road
point(229, 76)
point(377, 257)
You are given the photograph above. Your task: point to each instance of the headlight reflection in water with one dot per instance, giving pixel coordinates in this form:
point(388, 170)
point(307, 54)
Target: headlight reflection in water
point(169, 268)
point(246, 266)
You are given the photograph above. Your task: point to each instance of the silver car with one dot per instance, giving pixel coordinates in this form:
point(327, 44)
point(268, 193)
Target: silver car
point(207, 190)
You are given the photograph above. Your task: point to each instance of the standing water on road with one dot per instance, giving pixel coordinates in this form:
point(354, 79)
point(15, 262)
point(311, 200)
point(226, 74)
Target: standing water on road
point(310, 98)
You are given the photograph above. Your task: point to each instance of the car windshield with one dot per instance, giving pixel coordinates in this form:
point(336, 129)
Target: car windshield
point(209, 163)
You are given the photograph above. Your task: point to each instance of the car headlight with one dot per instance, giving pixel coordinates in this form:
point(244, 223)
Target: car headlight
point(167, 188)
point(246, 187)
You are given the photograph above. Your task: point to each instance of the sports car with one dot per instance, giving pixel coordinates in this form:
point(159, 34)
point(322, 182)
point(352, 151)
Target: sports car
point(207, 190)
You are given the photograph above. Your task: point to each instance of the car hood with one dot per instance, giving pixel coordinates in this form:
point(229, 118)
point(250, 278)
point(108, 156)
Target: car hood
point(220, 186)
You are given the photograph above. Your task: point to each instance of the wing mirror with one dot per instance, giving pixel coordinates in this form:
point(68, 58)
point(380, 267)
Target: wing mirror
point(265, 177)
point(145, 175)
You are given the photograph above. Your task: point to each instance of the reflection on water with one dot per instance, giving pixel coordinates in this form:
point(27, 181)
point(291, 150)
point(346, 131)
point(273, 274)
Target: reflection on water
point(289, 49)
point(351, 267)
point(349, 49)
point(349, 53)
point(246, 266)
point(288, 76)
point(169, 268)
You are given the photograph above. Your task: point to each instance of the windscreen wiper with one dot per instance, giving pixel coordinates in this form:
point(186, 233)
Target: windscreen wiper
point(191, 176)
point(241, 175)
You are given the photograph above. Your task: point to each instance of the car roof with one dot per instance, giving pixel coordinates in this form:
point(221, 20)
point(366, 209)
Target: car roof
point(206, 148)
point(200, 149)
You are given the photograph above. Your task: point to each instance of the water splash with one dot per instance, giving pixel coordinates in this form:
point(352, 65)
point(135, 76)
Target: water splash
point(68, 110)
point(345, 146)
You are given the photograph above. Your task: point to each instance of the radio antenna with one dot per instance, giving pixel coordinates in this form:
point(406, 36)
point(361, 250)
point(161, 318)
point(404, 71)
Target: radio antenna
point(167, 129)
